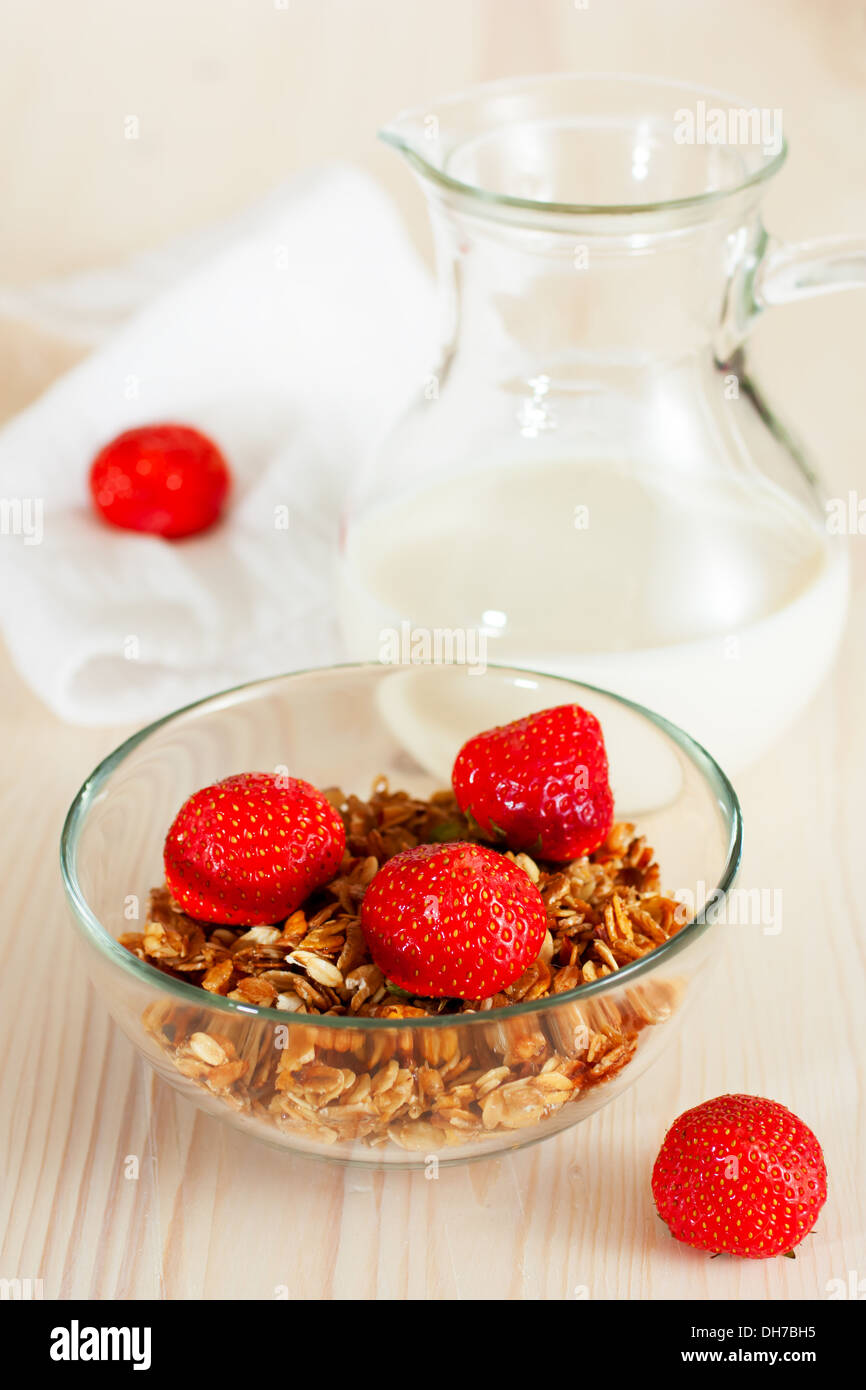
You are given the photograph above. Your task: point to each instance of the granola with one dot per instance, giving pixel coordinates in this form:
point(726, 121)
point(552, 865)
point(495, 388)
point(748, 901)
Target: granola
point(421, 1088)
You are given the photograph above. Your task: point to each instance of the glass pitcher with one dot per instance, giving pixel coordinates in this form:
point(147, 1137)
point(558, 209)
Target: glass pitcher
point(591, 482)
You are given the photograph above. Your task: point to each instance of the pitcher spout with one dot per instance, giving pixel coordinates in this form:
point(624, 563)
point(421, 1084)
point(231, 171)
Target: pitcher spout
point(416, 134)
point(590, 145)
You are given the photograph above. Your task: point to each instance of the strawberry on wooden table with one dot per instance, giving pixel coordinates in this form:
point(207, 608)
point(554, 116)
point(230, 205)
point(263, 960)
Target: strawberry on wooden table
point(740, 1175)
point(167, 480)
point(250, 849)
point(453, 921)
point(541, 783)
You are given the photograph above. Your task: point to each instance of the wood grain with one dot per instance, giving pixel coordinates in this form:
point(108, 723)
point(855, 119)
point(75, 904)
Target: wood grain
point(209, 1214)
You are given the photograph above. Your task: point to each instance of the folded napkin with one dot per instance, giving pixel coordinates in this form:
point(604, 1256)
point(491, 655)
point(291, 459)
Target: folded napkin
point(294, 340)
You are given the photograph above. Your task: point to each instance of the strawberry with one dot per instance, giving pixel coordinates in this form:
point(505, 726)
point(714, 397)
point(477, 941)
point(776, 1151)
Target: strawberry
point(541, 783)
point(169, 480)
point(742, 1175)
point(453, 921)
point(250, 849)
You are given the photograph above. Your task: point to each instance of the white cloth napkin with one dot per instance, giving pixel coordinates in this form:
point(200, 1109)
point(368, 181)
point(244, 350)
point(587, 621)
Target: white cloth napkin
point(295, 345)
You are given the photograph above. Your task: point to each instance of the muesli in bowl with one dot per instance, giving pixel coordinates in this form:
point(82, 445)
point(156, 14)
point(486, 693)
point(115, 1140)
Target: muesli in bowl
point(442, 972)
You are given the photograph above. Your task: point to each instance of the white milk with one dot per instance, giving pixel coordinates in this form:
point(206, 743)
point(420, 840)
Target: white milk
point(718, 603)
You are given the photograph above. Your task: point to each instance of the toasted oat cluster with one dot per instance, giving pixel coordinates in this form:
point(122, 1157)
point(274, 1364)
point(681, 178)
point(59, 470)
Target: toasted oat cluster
point(421, 1090)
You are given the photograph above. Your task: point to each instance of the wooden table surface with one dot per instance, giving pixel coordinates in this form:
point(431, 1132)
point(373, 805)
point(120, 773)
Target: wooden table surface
point(211, 1214)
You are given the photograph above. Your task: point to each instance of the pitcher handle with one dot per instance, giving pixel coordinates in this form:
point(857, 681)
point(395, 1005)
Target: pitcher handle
point(788, 271)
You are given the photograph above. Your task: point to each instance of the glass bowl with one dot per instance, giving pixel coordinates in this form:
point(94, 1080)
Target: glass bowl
point(394, 1092)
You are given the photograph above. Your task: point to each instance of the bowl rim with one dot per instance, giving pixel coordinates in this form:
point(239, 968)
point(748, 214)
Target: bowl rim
point(99, 936)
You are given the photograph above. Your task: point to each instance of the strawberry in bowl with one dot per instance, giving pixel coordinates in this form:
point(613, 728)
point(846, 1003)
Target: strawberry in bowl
point(540, 784)
point(453, 921)
point(251, 848)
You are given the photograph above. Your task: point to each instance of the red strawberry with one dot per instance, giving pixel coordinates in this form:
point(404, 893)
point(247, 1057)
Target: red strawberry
point(540, 783)
point(453, 921)
point(169, 480)
point(250, 849)
point(742, 1175)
